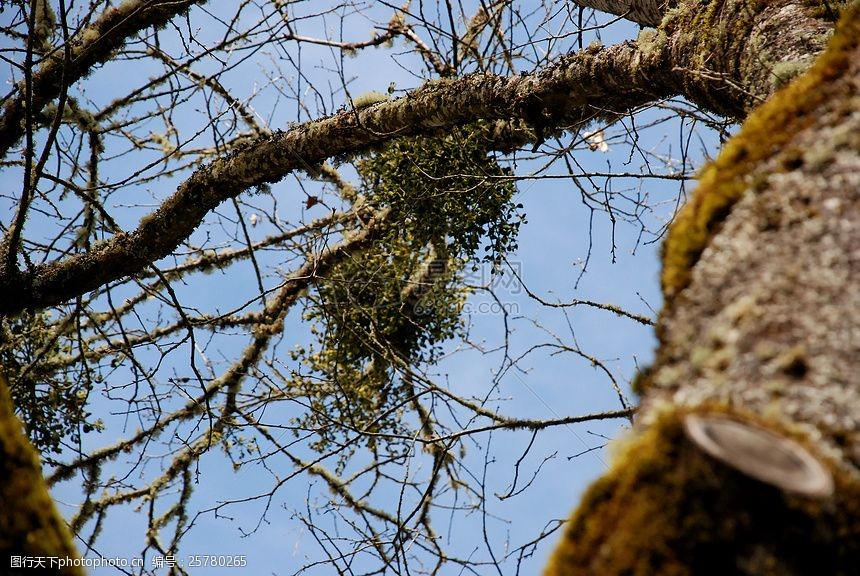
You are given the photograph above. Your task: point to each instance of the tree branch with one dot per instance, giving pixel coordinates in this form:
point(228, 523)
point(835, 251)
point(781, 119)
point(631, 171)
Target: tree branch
point(565, 95)
point(95, 44)
point(642, 12)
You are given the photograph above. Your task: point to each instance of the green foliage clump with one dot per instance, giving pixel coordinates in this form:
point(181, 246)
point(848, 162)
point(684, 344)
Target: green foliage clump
point(447, 187)
point(51, 403)
point(394, 304)
point(379, 311)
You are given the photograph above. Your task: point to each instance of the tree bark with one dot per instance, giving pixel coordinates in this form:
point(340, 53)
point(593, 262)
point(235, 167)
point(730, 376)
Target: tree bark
point(758, 340)
point(29, 524)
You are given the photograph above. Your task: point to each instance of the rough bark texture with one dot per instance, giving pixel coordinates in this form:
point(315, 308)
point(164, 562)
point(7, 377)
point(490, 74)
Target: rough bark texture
point(761, 324)
point(30, 524)
point(643, 12)
point(732, 55)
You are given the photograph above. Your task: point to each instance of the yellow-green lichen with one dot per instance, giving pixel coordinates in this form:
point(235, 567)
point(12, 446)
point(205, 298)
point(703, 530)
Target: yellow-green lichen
point(29, 522)
point(369, 99)
point(764, 135)
point(651, 43)
point(785, 72)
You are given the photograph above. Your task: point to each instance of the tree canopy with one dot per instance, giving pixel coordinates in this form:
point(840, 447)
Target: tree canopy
point(264, 234)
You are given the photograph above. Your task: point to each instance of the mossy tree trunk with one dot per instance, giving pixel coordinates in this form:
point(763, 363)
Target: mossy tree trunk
point(29, 523)
point(746, 458)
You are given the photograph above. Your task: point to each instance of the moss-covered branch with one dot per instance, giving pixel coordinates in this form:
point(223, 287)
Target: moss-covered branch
point(596, 83)
point(731, 55)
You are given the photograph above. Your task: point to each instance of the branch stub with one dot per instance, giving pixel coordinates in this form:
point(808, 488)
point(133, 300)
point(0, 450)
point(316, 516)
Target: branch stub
point(761, 454)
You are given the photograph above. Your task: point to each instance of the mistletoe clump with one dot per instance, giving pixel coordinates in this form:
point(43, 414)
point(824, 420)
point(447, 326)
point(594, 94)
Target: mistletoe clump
point(391, 306)
point(447, 187)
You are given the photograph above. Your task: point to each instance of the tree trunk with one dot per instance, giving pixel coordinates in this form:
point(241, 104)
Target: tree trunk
point(746, 457)
point(29, 523)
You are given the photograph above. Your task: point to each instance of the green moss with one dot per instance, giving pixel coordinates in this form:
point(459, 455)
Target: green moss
point(607, 533)
point(826, 9)
point(666, 508)
point(765, 134)
point(29, 523)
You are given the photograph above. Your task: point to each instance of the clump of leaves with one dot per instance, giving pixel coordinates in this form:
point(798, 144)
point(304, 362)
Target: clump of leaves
point(394, 304)
point(385, 308)
point(447, 187)
point(51, 403)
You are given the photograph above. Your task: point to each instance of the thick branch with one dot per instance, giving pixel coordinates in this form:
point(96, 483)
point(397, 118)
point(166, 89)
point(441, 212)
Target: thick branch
point(642, 12)
point(732, 55)
point(597, 83)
